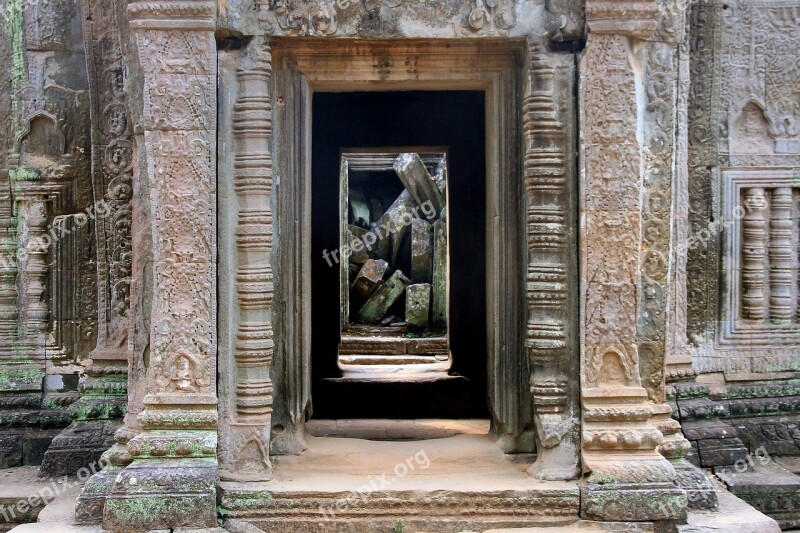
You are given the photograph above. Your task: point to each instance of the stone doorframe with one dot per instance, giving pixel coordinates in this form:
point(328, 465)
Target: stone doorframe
point(195, 429)
point(532, 283)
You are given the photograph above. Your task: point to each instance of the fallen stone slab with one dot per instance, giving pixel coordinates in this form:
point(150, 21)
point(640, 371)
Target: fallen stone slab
point(383, 298)
point(417, 181)
point(439, 284)
point(421, 251)
point(369, 278)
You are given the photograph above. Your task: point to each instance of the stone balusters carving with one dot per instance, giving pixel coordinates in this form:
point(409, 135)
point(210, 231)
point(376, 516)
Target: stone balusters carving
point(780, 255)
point(550, 245)
point(245, 439)
point(768, 286)
point(754, 231)
point(179, 439)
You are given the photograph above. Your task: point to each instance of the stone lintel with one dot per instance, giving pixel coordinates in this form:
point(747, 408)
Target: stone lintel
point(634, 19)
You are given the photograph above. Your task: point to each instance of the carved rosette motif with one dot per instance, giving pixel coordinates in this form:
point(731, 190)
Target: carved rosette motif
point(703, 253)
point(245, 450)
point(658, 153)
point(549, 253)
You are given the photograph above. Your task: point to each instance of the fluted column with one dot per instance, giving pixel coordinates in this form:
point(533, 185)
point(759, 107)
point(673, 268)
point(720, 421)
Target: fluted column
point(172, 480)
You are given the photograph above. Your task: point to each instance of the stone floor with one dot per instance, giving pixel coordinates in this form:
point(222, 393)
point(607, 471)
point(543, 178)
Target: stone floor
point(457, 484)
point(375, 429)
point(23, 495)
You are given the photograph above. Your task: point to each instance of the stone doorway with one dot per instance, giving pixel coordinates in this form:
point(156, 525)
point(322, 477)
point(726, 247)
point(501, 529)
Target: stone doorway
point(305, 71)
point(352, 377)
point(529, 219)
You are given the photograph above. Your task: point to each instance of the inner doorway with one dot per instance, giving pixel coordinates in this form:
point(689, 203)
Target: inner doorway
point(444, 132)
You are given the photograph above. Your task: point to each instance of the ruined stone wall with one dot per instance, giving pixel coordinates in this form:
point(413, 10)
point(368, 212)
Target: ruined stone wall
point(48, 322)
point(741, 321)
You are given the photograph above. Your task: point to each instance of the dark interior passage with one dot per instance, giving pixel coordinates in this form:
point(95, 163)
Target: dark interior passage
point(450, 119)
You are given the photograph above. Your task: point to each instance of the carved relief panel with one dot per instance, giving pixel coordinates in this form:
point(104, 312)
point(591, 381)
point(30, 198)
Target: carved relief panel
point(744, 111)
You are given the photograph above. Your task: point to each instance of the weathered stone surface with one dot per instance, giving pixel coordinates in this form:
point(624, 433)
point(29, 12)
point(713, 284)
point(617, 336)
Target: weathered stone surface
point(688, 154)
point(383, 298)
point(768, 487)
point(417, 181)
point(418, 304)
point(369, 278)
point(439, 284)
point(421, 252)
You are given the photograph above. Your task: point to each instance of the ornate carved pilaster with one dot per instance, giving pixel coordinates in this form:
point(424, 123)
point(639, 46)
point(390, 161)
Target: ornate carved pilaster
point(662, 312)
point(678, 359)
point(103, 400)
point(619, 438)
point(174, 469)
point(550, 242)
point(8, 277)
point(246, 422)
point(33, 228)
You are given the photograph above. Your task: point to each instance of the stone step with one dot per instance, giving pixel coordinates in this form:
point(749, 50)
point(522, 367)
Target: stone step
point(442, 511)
point(449, 485)
point(23, 495)
point(767, 486)
point(387, 360)
point(732, 516)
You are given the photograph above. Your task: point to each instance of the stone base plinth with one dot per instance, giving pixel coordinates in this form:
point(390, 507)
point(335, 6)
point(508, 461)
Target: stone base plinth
point(700, 492)
point(633, 502)
point(272, 508)
point(92, 499)
point(78, 446)
point(162, 494)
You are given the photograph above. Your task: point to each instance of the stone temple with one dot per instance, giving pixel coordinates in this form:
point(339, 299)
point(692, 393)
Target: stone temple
point(400, 265)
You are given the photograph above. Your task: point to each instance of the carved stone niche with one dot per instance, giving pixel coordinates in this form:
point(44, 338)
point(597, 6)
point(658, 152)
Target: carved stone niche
point(530, 319)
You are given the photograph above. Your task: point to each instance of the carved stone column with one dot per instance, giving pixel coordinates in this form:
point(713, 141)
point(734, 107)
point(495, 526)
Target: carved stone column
point(551, 244)
point(172, 480)
point(246, 394)
point(628, 478)
point(98, 413)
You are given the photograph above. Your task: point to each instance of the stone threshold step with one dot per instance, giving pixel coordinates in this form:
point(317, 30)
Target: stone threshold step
point(440, 511)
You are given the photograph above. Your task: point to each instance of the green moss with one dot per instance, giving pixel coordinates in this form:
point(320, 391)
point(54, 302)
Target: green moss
point(23, 174)
point(10, 376)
